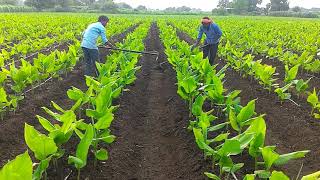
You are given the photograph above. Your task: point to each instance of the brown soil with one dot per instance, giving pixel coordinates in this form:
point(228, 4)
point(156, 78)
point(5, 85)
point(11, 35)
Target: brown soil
point(289, 127)
point(12, 139)
point(150, 125)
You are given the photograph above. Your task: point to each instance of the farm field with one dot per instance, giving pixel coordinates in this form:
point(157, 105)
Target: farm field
point(254, 115)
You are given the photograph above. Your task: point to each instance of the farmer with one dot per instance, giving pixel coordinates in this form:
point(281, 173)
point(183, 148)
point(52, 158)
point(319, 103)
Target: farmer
point(213, 34)
point(89, 47)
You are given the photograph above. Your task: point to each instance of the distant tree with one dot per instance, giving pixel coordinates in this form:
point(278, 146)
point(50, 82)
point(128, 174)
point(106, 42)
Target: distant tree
point(241, 5)
point(64, 3)
point(223, 4)
point(9, 2)
point(40, 4)
point(124, 6)
point(141, 8)
point(279, 5)
point(170, 9)
point(183, 9)
point(253, 5)
point(105, 5)
point(296, 9)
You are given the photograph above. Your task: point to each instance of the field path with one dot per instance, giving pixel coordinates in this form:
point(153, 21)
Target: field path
point(152, 139)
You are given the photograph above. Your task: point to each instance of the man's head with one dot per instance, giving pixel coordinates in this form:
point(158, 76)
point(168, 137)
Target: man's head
point(206, 21)
point(104, 20)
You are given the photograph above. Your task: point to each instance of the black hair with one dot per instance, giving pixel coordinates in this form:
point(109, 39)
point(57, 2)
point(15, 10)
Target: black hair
point(206, 17)
point(103, 18)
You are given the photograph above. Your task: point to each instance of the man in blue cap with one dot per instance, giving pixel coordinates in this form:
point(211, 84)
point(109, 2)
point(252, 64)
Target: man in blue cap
point(213, 34)
point(89, 47)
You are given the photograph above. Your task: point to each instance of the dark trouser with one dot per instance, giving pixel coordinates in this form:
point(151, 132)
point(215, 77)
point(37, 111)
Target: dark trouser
point(90, 58)
point(210, 51)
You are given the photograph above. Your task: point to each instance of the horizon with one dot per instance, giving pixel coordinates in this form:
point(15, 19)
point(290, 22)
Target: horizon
point(206, 5)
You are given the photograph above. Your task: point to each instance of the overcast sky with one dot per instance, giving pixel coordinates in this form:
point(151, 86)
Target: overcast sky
point(205, 4)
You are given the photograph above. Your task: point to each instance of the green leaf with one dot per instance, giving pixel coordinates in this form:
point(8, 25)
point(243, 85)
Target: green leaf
point(42, 167)
point(234, 168)
point(278, 175)
point(105, 121)
point(269, 156)
point(249, 177)
point(284, 158)
point(101, 154)
point(313, 176)
point(40, 144)
point(230, 147)
point(263, 174)
point(57, 107)
point(80, 160)
point(221, 137)
point(212, 176)
point(313, 98)
point(67, 118)
point(233, 120)
point(246, 112)
point(46, 124)
point(217, 127)
point(197, 105)
point(18, 169)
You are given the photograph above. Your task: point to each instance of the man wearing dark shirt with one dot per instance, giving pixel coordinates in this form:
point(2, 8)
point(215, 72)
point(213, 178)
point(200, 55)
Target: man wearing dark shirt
point(213, 35)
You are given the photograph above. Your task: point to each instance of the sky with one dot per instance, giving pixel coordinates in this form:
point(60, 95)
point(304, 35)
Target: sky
point(206, 5)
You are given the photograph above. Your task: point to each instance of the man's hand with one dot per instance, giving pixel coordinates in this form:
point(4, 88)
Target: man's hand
point(110, 46)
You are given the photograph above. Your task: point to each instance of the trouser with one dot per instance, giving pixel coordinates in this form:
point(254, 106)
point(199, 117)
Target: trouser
point(210, 51)
point(90, 58)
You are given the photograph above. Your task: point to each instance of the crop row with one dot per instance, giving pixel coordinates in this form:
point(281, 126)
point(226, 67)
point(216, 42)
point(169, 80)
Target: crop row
point(92, 130)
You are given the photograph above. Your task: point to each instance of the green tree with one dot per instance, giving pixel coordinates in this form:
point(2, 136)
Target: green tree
point(241, 5)
point(64, 3)
point(296, 9)
point(223, 4)
point(279, 5)
point(253, 5)
point(141, 8)
point(124, 6)
point(40, 4)
point(9, 2)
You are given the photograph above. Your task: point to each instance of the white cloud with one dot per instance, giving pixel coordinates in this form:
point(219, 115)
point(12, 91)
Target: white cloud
point(205, 4)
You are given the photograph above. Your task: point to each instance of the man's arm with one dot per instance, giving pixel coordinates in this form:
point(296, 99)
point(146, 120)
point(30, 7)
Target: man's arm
point(218, 31)
point(105, 41)
point(198, 39)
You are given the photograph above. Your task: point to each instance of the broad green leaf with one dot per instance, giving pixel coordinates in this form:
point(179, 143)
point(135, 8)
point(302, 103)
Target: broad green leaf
point(42, 167)
point(284, 158)
point(221, 137)
point(18, 169)
point(249, 177)
point(246, 112)
point(313, 176)
point(46, 124)
point(212, 176)
point(230, 147)
point(263, 174)
point(278, 175)
point(269, 156)
point(67, 118)
point(101, 154)
point(105, 121)
point(217, 127)
point(57, 107)
point(82, 149)
point(233, 121)
point(40, 144)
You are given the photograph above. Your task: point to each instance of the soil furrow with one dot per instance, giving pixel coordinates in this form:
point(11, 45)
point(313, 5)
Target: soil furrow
point(12, 127)
point(150, 125)
point(289, 127)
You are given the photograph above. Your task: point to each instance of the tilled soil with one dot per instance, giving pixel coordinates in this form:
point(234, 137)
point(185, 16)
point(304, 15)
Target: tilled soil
point(150, 125)
point(12, 127)
point(289, 127)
